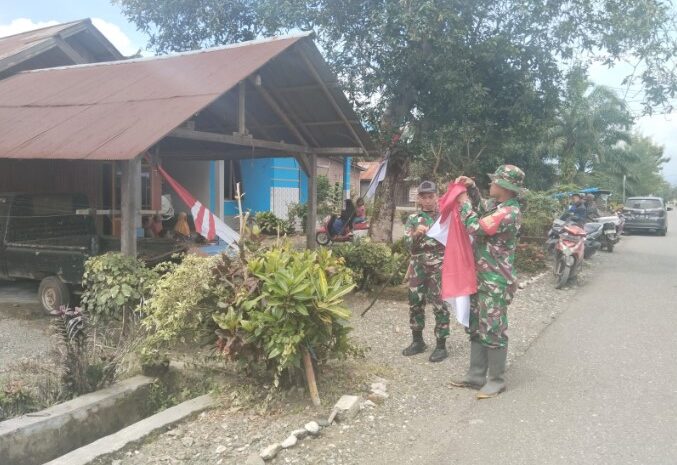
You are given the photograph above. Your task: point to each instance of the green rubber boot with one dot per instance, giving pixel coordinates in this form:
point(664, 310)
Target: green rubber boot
point(496, 383)
point(417, 346)
point(477, 373)
point(440, 352)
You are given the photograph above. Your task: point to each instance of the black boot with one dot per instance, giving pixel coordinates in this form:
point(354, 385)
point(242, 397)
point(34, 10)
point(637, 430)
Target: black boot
point(440, 352)
point(417, 346)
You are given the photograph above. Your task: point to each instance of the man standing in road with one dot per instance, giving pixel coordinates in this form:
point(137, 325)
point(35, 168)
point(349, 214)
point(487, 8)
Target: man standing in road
point(424, 275)
point(494, 225)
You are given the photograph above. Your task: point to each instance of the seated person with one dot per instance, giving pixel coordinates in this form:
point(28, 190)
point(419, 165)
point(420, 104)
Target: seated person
point(345, 219)
point(360, 211)
point(181, 229)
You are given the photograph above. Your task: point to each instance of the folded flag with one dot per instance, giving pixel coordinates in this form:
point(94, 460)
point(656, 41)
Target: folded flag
point(207, 224)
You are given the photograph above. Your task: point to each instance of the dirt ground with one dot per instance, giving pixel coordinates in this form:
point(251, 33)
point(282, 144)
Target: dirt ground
point(227, 436)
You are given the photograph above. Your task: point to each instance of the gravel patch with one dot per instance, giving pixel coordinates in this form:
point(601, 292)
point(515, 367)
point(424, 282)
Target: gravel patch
point(24, 333)
point(417, 390)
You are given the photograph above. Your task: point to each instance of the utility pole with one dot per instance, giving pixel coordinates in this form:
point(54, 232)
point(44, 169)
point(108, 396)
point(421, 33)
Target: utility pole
point(624, 189)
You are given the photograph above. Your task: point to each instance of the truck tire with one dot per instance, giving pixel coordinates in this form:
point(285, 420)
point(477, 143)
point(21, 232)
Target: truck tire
point(53, 294)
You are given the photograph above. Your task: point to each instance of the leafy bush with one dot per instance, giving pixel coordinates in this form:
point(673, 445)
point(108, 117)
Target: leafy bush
point(271, 224)
point(539, 211)
point(298, 211)
point(530, 258)
point(287, 301)
point(181, 305)
point(115, 285)
point(373, 263)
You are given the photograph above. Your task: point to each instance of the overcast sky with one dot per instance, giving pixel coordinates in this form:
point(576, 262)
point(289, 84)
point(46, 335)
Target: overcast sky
point(19, 16)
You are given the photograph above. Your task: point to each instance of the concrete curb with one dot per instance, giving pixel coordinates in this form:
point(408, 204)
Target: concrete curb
point(136, 432)
point(38, 437)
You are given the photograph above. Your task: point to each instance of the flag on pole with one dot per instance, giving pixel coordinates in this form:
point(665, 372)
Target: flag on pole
point(206, 223)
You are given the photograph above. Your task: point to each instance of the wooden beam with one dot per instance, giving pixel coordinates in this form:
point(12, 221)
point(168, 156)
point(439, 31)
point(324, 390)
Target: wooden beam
point(312, 124)
point(295, 119)
point(236, 139)
point(130, 205)
point(69, 51)
point(253, 143)
point(312, 203)
point(330, 97)
point(305, 87)
point(279, 112)
point(241, 128)
point(155, 181)
point(338, 151)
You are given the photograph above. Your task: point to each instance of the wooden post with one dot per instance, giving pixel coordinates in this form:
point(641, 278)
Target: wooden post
point(241, 123)
point(312, 202)
point(130, 205)
point(155, 183)
point(310, 378)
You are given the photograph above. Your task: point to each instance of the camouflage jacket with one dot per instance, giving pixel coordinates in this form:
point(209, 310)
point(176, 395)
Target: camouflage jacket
point(423, 247)
point(494, 229)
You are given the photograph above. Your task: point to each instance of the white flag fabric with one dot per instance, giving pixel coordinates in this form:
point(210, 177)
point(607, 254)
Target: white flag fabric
point(376, 180)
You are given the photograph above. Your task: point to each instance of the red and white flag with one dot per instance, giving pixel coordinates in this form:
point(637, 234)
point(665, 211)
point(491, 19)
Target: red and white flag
point(207, 224)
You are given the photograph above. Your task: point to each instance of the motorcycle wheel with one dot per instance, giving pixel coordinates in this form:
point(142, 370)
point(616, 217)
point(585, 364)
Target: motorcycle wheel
point(610, 247)
point(322, 238)
point(562, 273)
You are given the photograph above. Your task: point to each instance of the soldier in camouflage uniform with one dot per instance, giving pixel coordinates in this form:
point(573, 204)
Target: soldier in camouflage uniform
point(424, 275)
point(494, 225)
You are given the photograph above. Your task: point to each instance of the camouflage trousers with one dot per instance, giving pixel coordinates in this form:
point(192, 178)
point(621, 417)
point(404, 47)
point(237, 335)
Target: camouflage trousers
point(489, 316)
point(424, 288)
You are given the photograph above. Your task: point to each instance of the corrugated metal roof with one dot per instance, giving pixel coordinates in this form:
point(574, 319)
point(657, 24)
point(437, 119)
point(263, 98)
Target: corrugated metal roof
point(116, 110)
point(16, 43)
point(369, 170)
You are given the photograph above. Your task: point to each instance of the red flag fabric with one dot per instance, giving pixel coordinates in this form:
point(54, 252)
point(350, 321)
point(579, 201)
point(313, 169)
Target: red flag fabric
point(206, 223)
point(458, 266)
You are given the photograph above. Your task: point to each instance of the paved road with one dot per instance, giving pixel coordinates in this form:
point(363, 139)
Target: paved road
point(600, 384)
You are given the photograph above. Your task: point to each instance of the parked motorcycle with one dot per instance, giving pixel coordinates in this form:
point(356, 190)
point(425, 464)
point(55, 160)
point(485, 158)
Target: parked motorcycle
point(594, 235)
point(566, 241)
point(323, 235)
point(610, 232)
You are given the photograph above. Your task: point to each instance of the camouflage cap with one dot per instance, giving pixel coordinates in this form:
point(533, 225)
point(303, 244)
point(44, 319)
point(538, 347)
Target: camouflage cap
point(509, 177)
point(427, 187)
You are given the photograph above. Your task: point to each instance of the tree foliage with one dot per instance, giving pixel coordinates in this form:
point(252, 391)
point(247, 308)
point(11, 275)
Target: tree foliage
point(480, 81)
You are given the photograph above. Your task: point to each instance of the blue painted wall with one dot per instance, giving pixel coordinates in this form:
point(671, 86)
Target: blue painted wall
point(260, 175)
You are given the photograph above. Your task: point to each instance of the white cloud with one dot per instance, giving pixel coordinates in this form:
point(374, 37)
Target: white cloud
point(20, 25)
point(118, 38)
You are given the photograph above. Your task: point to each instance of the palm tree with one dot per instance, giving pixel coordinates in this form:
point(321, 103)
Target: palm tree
point(592, 126)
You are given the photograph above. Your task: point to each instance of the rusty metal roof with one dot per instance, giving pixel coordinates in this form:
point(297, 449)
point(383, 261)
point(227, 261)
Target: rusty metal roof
point(64, 44)
point(11, 45)
point(117, 110)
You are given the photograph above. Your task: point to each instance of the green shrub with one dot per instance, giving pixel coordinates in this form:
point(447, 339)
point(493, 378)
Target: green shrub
point(539, 211)
point(294, 304)
point(268, 223)
point(373, 263)
point(181, 305)
point(115, 285)
point(530, 258)
point(298, 211)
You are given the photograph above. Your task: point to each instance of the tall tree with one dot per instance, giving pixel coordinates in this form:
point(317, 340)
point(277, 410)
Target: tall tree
point(486, 73)
point(592, 121)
